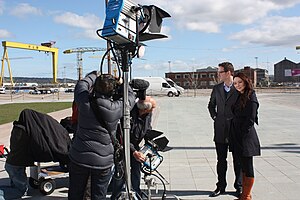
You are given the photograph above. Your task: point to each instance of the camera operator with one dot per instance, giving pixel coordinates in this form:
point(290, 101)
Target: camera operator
point(91, 153)
point(141, 116)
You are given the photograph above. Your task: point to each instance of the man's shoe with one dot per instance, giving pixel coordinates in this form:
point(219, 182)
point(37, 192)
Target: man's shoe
point(217, 192)
point(238, 192)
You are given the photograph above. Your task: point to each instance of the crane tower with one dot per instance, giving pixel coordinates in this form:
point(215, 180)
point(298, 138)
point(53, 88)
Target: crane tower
point(79, 51)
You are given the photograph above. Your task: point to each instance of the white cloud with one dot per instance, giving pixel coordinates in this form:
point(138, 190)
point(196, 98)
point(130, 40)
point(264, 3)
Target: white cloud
point(88, 33)
point(209, 27)
point(273, 31)
point(87, 21)
point(24, 9)
point(165, 30)
point(208, 16)
point(148, 67)
point(5, 34)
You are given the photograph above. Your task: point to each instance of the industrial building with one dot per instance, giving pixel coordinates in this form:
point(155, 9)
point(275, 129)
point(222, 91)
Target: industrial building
point(286, 71)
point(200, 79)
point(208, 77)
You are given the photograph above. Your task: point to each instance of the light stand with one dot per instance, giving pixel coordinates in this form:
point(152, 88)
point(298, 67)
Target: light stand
point(126, 56)
point(126, 62)
point(126, 24)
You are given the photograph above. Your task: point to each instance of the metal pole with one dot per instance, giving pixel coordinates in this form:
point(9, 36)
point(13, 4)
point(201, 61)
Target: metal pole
point(79, 65)
point(256, 61)
point(126, 59)
point(108, 47)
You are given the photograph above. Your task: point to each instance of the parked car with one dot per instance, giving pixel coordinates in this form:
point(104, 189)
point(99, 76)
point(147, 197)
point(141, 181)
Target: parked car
point(2, 90)
point(69, 90)
point(35, 92)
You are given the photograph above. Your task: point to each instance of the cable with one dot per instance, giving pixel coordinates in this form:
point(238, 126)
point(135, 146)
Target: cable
point(164, 185)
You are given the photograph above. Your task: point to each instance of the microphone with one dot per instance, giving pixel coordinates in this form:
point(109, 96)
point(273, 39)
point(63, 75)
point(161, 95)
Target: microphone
point(139, 84)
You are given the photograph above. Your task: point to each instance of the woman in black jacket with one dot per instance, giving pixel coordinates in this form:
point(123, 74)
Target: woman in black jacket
point(244, 139)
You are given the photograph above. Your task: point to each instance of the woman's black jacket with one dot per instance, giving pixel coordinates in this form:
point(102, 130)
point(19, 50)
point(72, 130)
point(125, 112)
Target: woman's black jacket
point(244, 137)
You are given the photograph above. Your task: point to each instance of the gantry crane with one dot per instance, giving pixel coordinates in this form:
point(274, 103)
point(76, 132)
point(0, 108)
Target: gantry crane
point(45, 47)
point(80, 51)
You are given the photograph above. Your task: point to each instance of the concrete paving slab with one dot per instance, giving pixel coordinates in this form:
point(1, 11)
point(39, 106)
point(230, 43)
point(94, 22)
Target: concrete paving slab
point(190, 166)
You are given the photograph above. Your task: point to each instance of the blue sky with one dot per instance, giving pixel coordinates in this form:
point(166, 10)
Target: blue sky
point(201, 33)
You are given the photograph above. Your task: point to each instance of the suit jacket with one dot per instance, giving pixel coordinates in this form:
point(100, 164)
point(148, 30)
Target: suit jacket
point(219, 107)
point(140, 125)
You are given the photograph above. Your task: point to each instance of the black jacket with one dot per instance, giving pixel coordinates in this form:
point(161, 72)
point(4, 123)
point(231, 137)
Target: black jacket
point(244, 137)
point(37, 137)
point(140, 125)
point(92, 146)
point(219, 107)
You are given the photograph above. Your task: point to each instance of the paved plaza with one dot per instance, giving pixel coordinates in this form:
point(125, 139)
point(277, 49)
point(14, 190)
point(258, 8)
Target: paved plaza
point(190, 168)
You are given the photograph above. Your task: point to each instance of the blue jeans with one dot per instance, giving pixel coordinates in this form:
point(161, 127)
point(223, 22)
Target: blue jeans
point(78, 177)
point(18, 180)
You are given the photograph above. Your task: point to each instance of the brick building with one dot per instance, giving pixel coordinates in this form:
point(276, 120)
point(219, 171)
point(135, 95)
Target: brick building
point(250, 72)
point(200, 79)
point(208, 77)
point(283, 71)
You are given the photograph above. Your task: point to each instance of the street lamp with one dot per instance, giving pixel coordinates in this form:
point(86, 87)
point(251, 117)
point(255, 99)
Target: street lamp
point(169, 65)
point(256, 61)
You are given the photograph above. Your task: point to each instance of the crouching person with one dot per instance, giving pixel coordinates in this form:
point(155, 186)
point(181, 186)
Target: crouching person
point(16, 162)
point(141, 116)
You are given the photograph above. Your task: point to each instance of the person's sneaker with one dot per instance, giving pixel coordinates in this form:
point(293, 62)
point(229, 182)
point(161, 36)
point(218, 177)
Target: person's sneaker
point(217, 192)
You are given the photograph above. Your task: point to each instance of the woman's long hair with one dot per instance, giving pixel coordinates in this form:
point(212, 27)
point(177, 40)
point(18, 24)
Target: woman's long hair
point(248, 88)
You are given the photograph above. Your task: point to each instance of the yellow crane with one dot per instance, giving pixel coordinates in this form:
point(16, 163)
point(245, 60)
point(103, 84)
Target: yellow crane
point(45, 47)
point(80, 51)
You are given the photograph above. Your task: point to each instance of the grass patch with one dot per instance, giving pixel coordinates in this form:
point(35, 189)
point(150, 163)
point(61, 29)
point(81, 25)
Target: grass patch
point(11, 112)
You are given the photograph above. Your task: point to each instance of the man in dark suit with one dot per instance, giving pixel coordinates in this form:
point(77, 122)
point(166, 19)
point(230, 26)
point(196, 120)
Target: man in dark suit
point(222, 98)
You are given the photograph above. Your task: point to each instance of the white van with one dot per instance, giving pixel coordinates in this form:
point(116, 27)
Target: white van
point(179, 89)
point(2, 90)
point(159, 86)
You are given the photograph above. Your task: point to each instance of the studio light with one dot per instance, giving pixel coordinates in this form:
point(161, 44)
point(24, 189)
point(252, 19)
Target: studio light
point(124, 18)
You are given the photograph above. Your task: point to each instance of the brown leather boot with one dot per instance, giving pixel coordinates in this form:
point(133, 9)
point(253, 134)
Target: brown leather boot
point(247, 186)
point(243, 181)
